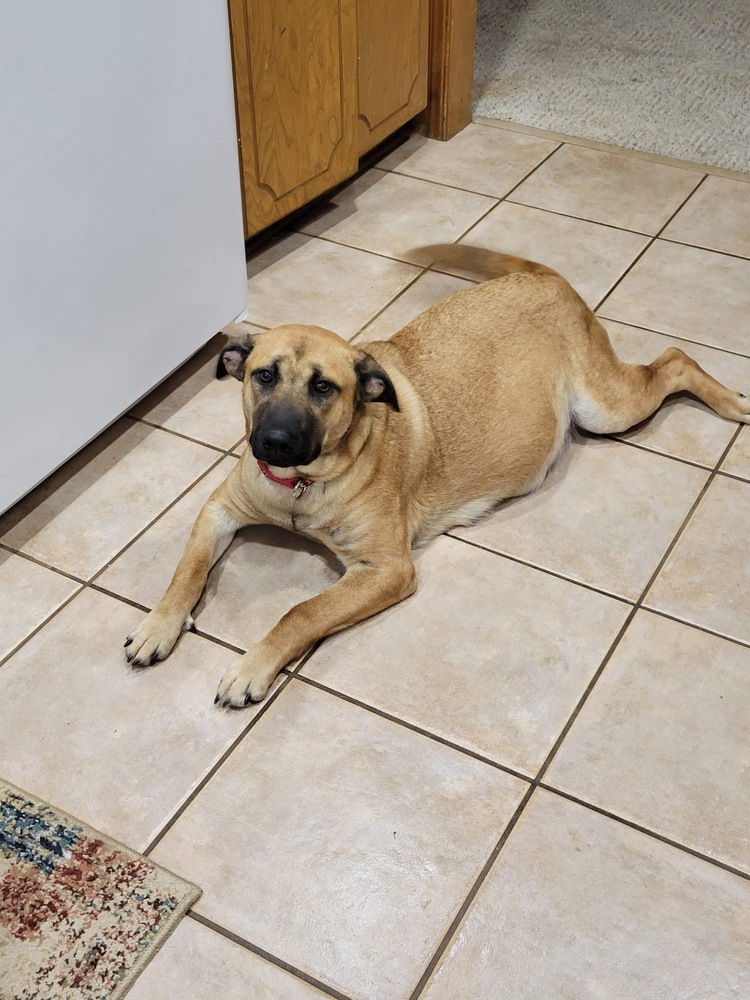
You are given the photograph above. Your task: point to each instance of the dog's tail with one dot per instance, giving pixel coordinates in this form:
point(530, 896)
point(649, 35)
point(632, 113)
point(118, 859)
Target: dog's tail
point(477, 261)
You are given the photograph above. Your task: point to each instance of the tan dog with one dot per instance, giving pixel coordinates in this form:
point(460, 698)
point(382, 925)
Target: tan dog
point(374, 449)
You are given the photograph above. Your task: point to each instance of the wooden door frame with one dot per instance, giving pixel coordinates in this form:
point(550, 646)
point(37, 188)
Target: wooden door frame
point(452, 39)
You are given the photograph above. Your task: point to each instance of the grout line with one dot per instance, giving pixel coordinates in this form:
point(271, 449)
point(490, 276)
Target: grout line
point(608, 147)
point(267, 955)
point(264, 706)
point(655, 451)
point(693, 625)
point(215, 767)
point(500, 201)
point(645, 250)
point(683, 526)
point(168, 430)
point(38, 562)
point(430, 180)
point(540, 569)
point(585, 696)
point(158, 517)
point(27, 638)
point(381, 714)
point(469, 899)
point(700, 246)
point(340, 243)
point(581, 218)
point(388, 304)
point(674, 336)
point(530, 172)
point(645, 830)
point(457, 187)
point(118, 597)
point(733, 475)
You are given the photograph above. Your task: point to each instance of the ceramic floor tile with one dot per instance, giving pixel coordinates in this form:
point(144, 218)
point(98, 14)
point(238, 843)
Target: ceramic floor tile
point(605, 516)
point(301, 280)
point(116, 747)
point(479, 158)
point(195, 403)
point(263, 573)
point(425, 292)
point(196, 963)
point(683, 426)
point(487, 654)
point(87, 511)
point(737, 462)
point(688, 292)
point(396, 215)
point(662, 740)
point(145, 568)
point(618, 190)
point(589, 256)
point(578, 906)
point(340, 842)
point(707, 576)
point(716, 217)
point(28, 594)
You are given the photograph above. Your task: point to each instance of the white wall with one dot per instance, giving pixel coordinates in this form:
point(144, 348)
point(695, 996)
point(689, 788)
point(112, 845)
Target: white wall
point(121, 245)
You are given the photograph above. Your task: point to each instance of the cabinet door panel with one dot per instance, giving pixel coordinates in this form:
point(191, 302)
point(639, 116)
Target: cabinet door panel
point(393, 66)
point(294, 64)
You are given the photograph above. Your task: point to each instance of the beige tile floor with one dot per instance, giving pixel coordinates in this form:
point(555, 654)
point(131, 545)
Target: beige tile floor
point(531, 779)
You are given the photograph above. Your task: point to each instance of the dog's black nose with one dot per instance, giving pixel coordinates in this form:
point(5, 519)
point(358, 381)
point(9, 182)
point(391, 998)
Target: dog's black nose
point(277, 445)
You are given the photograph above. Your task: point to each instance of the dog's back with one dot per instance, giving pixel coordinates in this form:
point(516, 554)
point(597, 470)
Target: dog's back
point(489, 365)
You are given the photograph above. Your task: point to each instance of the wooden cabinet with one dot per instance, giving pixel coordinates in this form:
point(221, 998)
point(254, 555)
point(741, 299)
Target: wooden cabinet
point(392, 39)
point(295, 72)
point(318, 83)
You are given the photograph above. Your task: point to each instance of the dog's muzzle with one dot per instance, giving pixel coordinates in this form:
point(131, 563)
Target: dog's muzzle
point(283, 440)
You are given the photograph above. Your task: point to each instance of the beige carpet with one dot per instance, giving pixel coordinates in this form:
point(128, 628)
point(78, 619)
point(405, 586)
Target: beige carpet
point(671, 78)
point(80, 915)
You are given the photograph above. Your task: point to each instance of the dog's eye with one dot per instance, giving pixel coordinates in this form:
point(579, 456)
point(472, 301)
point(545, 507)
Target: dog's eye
point(264, 375)
point(323, 387)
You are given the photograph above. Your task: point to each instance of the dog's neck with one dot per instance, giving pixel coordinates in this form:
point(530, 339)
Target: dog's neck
point(298, 485)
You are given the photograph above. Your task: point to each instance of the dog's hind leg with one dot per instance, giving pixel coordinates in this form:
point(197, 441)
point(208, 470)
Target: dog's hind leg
point(610, 396)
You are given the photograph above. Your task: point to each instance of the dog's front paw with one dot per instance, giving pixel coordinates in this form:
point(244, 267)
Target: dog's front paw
point(246, 682)
point(154, 638)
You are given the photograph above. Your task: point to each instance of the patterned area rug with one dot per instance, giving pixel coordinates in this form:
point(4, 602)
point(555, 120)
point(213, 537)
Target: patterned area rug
point(671, 77)
point(80, 915)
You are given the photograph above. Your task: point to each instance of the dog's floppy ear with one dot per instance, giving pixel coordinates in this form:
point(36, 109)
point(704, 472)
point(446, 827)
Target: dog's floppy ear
point(374, 384)
point(232, 359)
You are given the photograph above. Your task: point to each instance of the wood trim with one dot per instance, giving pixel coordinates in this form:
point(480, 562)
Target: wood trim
point(453, 25)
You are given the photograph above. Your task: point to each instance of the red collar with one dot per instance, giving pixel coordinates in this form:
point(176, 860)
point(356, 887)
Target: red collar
point(299, 485)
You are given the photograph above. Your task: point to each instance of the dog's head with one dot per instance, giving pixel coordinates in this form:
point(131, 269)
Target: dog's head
point(302, 389)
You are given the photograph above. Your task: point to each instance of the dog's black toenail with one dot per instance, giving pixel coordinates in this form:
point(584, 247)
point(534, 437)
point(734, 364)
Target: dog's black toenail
point(248, 698)
point(127, 642)
point(154, 659)
point(216, 700)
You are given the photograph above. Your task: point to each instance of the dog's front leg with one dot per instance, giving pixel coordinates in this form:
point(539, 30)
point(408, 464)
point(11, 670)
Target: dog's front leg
point(153, 639)
point(362, 591)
